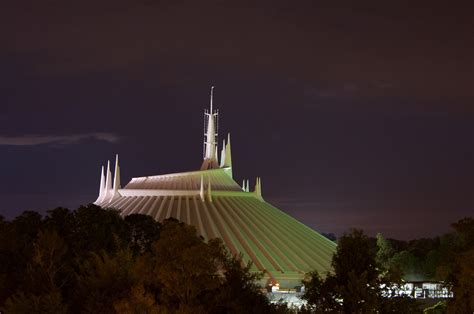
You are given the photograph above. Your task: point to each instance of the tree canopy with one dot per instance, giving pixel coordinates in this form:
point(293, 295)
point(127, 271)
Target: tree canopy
point(93, 261)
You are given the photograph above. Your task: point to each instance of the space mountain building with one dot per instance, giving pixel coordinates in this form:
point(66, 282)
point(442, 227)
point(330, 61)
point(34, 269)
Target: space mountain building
point(281, 247)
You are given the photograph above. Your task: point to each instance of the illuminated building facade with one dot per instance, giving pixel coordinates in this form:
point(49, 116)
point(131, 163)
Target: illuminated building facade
point(209, 199)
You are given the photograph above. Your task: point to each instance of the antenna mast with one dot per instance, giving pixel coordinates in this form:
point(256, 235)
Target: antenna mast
point(210, 135)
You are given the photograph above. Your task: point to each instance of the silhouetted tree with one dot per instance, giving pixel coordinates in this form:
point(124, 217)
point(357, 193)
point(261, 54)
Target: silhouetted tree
point(385, 252)
point(50, 303)
point(46, 268)
point(458, 267)
point(93, 261)
point(103, 279)
point(358, 284)
point(143, 231)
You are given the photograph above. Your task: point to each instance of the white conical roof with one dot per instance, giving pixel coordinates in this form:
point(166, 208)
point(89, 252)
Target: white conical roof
point(215, 204)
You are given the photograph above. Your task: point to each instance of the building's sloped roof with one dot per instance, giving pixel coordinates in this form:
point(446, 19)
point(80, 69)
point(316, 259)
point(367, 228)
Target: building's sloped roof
point(220, 180)
point(276, 243)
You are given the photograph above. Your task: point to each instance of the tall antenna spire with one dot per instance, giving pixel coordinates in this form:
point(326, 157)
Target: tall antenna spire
point(210, 134)
point(212, 97)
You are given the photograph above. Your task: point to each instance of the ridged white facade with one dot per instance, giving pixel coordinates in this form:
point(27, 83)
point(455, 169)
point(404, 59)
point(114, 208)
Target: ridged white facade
point(209, 199)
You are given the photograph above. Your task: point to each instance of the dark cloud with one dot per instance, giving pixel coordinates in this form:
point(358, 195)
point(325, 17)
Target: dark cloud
point(31, 140)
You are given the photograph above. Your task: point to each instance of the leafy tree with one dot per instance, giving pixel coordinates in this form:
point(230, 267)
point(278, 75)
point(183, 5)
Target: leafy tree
point(43, 278)
point(463, 284)
point(358, 284)
point(356, 273)
point(465, 231)
point(50, 303)
point(408, 264)
point(16, 250)
point(458, 270)
point(240, 291)
point(385, 251)
point(94, 229)
point(47, 264)
point(139, 300)
point(61, 220)
point(143, 231)
point(187, 274)
point(103, 279)
point(321, 294)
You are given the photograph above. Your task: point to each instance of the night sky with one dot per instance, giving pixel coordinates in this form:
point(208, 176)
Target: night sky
point(354, 116)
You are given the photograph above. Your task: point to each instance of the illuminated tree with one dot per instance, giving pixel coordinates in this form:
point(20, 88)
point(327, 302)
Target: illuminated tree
point(102, 280)
point(385, 251)
point(358, 284)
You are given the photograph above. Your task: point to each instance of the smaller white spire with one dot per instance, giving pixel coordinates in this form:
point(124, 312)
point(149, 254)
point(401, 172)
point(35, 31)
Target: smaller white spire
point(201, 190)
point(223, 158)
point(258, 189)
point(102, 187)
point(227, 164)
point(108, 178)
point(108, 185)
point(245, 185)
point(117, 174)
point(209, 195)
point(114, 193)
point(228, 156)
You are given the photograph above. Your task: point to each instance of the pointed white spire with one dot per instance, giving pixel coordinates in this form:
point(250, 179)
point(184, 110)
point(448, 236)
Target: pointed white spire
point(108, 185)
point(101, 188)
point(222, 165)
point(227, 164)
point(245, 185)
point(209, 195)
point(201, 190)
point(258, 188)
point(108, 178)
point(117, 174)
point(228, 156)
point(113, 193)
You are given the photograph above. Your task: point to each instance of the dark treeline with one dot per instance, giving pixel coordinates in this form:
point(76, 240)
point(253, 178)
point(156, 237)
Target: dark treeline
point(420, 259)
point(365, 269)
point(94, 261)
